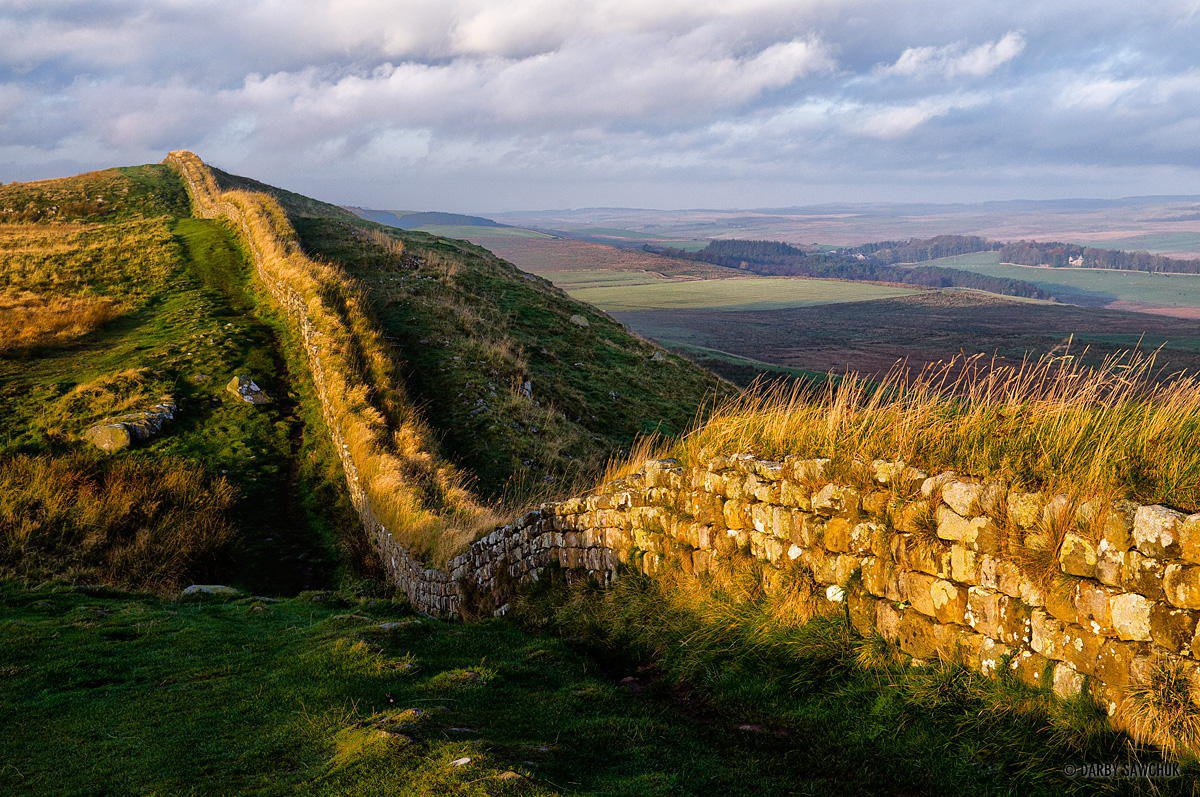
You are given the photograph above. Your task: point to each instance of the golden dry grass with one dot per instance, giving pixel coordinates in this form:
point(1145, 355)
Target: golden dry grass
point(1045, 423)
point(133, 523)
point(29, 320)
point(421, 499)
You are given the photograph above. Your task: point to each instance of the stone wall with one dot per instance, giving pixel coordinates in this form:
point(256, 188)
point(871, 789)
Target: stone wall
point(1073, 594)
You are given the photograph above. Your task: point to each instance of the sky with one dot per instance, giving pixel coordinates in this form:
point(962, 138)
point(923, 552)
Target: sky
point(488, 105)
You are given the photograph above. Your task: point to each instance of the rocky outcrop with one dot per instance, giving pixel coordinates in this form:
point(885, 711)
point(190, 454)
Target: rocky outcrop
point(121, 432)
point(247, 390)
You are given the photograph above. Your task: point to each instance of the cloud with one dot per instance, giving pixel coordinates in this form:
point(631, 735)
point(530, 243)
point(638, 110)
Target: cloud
point(957, 60)
point(475, 103)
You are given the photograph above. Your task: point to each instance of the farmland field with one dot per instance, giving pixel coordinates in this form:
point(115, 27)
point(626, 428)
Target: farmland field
point(552, 257)
point(872, 336)
point(467, 231)
point(749, 293)
point(1164, 294)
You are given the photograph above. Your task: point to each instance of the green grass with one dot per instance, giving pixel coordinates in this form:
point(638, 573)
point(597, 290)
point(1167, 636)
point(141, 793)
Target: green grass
point(115, 693)
point(749, 293)
point(1092, 286)
point(576, 279)
point(854, 717)
point(468, 231)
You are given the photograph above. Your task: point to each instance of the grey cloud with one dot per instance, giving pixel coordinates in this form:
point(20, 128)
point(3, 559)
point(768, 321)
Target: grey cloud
point(480, 104)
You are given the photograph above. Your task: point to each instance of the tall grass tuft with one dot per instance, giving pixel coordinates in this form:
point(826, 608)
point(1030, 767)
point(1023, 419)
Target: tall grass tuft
point(131, 523)
point(1049, 422)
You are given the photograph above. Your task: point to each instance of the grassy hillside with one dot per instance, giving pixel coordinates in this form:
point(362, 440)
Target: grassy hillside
point(183, 321)
point(530, 390)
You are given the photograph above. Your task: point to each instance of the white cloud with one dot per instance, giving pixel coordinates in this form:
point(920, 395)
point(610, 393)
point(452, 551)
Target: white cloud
point(957, 60)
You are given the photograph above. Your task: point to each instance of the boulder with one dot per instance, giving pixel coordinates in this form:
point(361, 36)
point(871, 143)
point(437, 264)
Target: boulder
point(247, 390)
point(115, 434)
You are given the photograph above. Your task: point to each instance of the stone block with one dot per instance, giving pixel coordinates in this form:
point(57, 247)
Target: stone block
point(1156, 531)
point(875, 502)
point(1143, 575)
point(979, 533)
point(1093, 601)
point(1066, 682)
point(1131, 616)
point(1081, 646)
point(962, 497)
point(1181, 584)
point(924, 638)
point(837, 534)
point(834, 499)
point(1046, 635)
point(1030, 667)
point(1060, 602)
point(949, 601)
point(1113, 663)
point(1024, 509)
point(917, 589)
point(1110, 564)
point(1172, 629)
point(1189, 538)
point(1077, 555)
point(935, 483)
point(964, 567)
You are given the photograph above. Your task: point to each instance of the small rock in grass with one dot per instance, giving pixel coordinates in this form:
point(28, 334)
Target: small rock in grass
point(247, 390)
point(460, 762)
point(209, 591)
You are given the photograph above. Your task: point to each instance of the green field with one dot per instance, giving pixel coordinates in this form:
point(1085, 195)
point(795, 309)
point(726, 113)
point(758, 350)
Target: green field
point(1091, 286)
point(751, 293)
point(578, 279)
point(469, 231)
point(1156, 242)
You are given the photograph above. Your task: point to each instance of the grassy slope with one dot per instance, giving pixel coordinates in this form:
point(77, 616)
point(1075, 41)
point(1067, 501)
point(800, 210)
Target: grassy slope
point(191, 324)
point(470, 329)
point(146, 696)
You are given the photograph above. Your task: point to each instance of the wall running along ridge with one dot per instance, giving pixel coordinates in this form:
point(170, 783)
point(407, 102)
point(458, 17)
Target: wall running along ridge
point(1079, 596)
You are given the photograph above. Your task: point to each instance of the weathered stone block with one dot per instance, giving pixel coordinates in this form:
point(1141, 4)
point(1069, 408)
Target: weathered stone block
point(1067, 683)
point(1113, 663)
point(875, 502)
point(1181, 583)
point(923, 637)
point(1131, 616)
point(1081, 646)
point(935, 483)
point(1143, 575)
point(992, 655)
point(834, 498)
point(1046, 634)
point(978, 533)
point(1155, 531)
point(837, 534)
point(949, 601)
point(793, 494)
point(1172, 629)
point(1077, 556)
point(1030, 667)
point(917, 589)
point(985, 611)
point(962, 497)
point(1024, 509)
point(1094, 604)
point(964, 567)
point(1110, 564)
point(1189, 538)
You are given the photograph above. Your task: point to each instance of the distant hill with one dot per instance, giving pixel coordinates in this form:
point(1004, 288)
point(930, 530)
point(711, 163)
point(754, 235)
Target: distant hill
point(414, 221)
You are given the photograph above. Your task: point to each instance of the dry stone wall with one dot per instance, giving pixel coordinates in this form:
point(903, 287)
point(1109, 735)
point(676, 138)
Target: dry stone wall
point(1075, 595)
